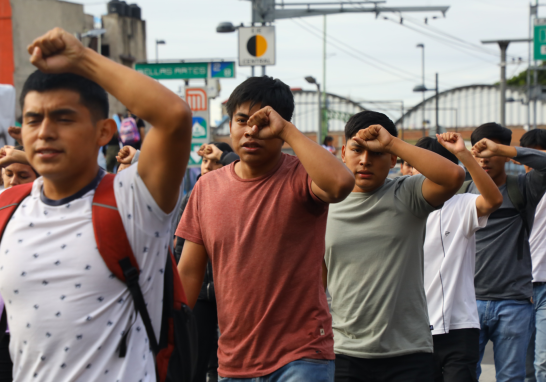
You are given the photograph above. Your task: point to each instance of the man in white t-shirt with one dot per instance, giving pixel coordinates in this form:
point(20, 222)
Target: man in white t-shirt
point(450, 257)
point(67, 313)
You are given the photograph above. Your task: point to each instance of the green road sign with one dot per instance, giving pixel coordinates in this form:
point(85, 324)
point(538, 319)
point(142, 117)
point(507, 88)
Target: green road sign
point(539, 39)
point(187, 70)
point(195, 159)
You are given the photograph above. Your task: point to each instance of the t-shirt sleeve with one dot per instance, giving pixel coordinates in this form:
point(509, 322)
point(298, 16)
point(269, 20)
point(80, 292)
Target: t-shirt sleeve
point(466, 205)
point(410, 193)
point(141, 215)
point(189, 227)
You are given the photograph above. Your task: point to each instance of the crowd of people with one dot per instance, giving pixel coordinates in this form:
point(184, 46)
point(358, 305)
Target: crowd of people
point(423, 270)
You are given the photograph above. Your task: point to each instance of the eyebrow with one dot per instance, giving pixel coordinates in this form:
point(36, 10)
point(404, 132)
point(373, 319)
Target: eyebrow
point(242, 115)
point(54, 113)
point(355, 144)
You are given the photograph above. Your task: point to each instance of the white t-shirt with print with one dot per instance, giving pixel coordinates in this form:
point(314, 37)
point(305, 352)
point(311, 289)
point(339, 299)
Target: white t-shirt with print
point(537, 243)
point(66, 311)
point(450, 256)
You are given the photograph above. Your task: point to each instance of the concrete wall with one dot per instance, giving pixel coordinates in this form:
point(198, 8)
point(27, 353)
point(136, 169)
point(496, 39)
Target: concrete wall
point(31, 19)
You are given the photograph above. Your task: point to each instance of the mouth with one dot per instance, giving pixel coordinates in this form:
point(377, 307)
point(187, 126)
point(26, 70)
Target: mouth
point(486, 169)
point(47, 153)
point(251, 147)
point(364, 174)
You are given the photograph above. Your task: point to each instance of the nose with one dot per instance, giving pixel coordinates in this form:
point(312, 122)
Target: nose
point(14, 181)
point(365, 158)
point(47, 130)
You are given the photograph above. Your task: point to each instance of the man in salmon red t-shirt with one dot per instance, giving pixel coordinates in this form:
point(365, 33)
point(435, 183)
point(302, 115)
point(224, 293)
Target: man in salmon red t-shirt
point(261, 221)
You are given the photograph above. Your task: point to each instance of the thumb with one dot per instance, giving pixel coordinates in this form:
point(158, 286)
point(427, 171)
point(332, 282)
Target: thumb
point(37, 59)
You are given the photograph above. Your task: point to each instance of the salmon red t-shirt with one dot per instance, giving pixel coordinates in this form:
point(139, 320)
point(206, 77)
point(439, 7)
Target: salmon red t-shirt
point(265, 238)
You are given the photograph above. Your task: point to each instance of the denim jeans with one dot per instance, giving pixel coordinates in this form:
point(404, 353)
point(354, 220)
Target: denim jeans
point(508, 324)
point(302, 370)
point(536, 354)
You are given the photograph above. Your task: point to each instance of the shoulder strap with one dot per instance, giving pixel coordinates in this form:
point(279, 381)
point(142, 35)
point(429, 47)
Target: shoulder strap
point(115, 249)
point(464, 188)
point(9, 201)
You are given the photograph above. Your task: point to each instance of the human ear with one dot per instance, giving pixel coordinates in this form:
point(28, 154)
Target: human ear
point(393, 160)
point(106, 130)
point(343, 153)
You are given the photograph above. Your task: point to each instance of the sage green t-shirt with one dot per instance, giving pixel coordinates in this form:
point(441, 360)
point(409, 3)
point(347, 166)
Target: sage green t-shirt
point(374, 256)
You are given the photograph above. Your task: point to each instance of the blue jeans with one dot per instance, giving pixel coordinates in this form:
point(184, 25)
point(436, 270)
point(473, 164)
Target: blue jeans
point(508, 324)
point(302, 370)
point(536, 354)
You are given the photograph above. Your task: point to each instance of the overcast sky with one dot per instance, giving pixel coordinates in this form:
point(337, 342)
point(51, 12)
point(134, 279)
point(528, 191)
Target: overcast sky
point(368, 58)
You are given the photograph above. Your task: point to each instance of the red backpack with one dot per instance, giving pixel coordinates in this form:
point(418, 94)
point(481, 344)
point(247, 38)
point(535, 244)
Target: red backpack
point(175, 352)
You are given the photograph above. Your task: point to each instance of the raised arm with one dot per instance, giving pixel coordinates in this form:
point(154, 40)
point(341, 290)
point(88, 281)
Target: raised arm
point(443, 177)
point(167, 142)
point(332, 181)
point(9, 155)
point(191, 268)
point(490, 198)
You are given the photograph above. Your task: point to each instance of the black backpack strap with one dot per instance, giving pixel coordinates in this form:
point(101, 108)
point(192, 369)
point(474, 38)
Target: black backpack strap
point(131, 279)
point(3, 323)
point(464, 188)
point(519, 201)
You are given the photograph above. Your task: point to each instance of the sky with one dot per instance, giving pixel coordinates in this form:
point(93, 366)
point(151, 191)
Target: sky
point(368, 58)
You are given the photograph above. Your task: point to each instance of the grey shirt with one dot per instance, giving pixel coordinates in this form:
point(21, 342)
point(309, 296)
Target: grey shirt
point(374, 256)
point(499, 274)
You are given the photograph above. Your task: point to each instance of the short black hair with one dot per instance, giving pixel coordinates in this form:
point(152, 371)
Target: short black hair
point(432, 144)
point(534, 138)
point(224, 147)
point(92, 96)
point(263, 91)
point(327, 139)
point(491, 130)
point(367, 118)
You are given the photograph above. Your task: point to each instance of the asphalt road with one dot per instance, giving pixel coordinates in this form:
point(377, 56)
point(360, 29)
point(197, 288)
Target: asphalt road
point(488, 365)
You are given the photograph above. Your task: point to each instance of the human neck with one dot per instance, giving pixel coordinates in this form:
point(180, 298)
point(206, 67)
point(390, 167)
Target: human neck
point(246, 171)
point(63, 187)
point(500, 179)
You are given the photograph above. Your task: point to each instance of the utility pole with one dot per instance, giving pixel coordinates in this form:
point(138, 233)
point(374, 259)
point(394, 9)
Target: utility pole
point(324, 118)
point(503, 45)
point(437, 107)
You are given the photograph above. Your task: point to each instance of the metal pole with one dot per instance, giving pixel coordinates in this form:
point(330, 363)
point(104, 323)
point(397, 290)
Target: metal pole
point(156, 52)
point(319, 130)
point(252, 71)
point(529, 69)
point(423, 73)
point(437, 107)
point(503, 45)
point(535, 75)
point(263, 70)
point(99, 44)
point(402, 121)
point(322, 106)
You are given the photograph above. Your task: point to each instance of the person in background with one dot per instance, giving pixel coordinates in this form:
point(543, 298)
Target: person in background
point(15, 132)
point(450, 257)
point(503, 276)
point(141, 128)
point(536, 354)
point(328, 144)
point(110, 152)
point(373, 264)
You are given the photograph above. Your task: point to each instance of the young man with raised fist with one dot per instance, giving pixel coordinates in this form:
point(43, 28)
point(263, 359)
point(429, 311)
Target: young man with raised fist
point(67, 312)
point(374, 255)
point(450, 258)
point(503, 277)
point(261, 222)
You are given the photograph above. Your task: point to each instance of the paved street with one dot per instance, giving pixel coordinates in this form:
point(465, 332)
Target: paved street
point(488, 367)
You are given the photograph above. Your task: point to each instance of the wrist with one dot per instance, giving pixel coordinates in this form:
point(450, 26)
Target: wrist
point(287, 132)
point(85, 63)
point(464, 155)
point(394, 145)
point(507, 151)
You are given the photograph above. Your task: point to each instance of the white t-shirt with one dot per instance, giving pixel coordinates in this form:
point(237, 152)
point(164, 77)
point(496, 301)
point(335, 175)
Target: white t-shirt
point(66, 311)
point(537, 243)
point(450, 256)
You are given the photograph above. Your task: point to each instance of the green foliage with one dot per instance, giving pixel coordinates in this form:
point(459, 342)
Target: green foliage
point(521, 78)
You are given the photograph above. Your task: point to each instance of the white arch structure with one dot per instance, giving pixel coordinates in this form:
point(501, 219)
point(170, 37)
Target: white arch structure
point(467, 107)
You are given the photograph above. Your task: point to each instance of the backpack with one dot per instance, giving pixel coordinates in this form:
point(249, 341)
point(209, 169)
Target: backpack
point(128, 131)
point(175, 352)
point(518, 200)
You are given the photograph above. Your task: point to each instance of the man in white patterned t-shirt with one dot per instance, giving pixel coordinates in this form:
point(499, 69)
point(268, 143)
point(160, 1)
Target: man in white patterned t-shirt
point(450, 257)
point(66, 311)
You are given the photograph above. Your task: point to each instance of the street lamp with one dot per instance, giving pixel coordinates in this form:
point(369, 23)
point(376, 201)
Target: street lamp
point(158, 42)
point(226, 27)
point(98, 34)
point(422, 88)
point(312, 80)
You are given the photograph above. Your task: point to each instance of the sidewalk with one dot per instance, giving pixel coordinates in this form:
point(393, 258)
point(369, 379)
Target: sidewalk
point(488, 365)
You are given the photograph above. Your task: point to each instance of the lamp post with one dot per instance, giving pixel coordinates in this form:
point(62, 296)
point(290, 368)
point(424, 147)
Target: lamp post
point(422, 46)
point(312, 80)
point(423, 89)
point(98, 34)
point(157, 43)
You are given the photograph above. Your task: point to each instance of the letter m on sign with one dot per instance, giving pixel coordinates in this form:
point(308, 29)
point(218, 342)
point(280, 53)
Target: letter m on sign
point(197, 99)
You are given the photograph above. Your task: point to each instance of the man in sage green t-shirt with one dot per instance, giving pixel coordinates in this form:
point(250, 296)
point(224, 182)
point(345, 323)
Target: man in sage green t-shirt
point(374, 255)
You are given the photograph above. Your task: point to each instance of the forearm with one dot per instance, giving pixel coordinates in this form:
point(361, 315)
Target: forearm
point(124, 83)
point(325, 170)
point(484, 183)
point(434, 167)
point(535, 159)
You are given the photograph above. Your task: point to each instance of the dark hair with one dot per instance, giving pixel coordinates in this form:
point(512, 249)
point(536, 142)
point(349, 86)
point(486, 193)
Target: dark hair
point(92, 96)
point(263, 91)
point(224, 147)
point(367, 118)
point(534, 138)
point(432, 144)
point(327, 139)
point(491, 130)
